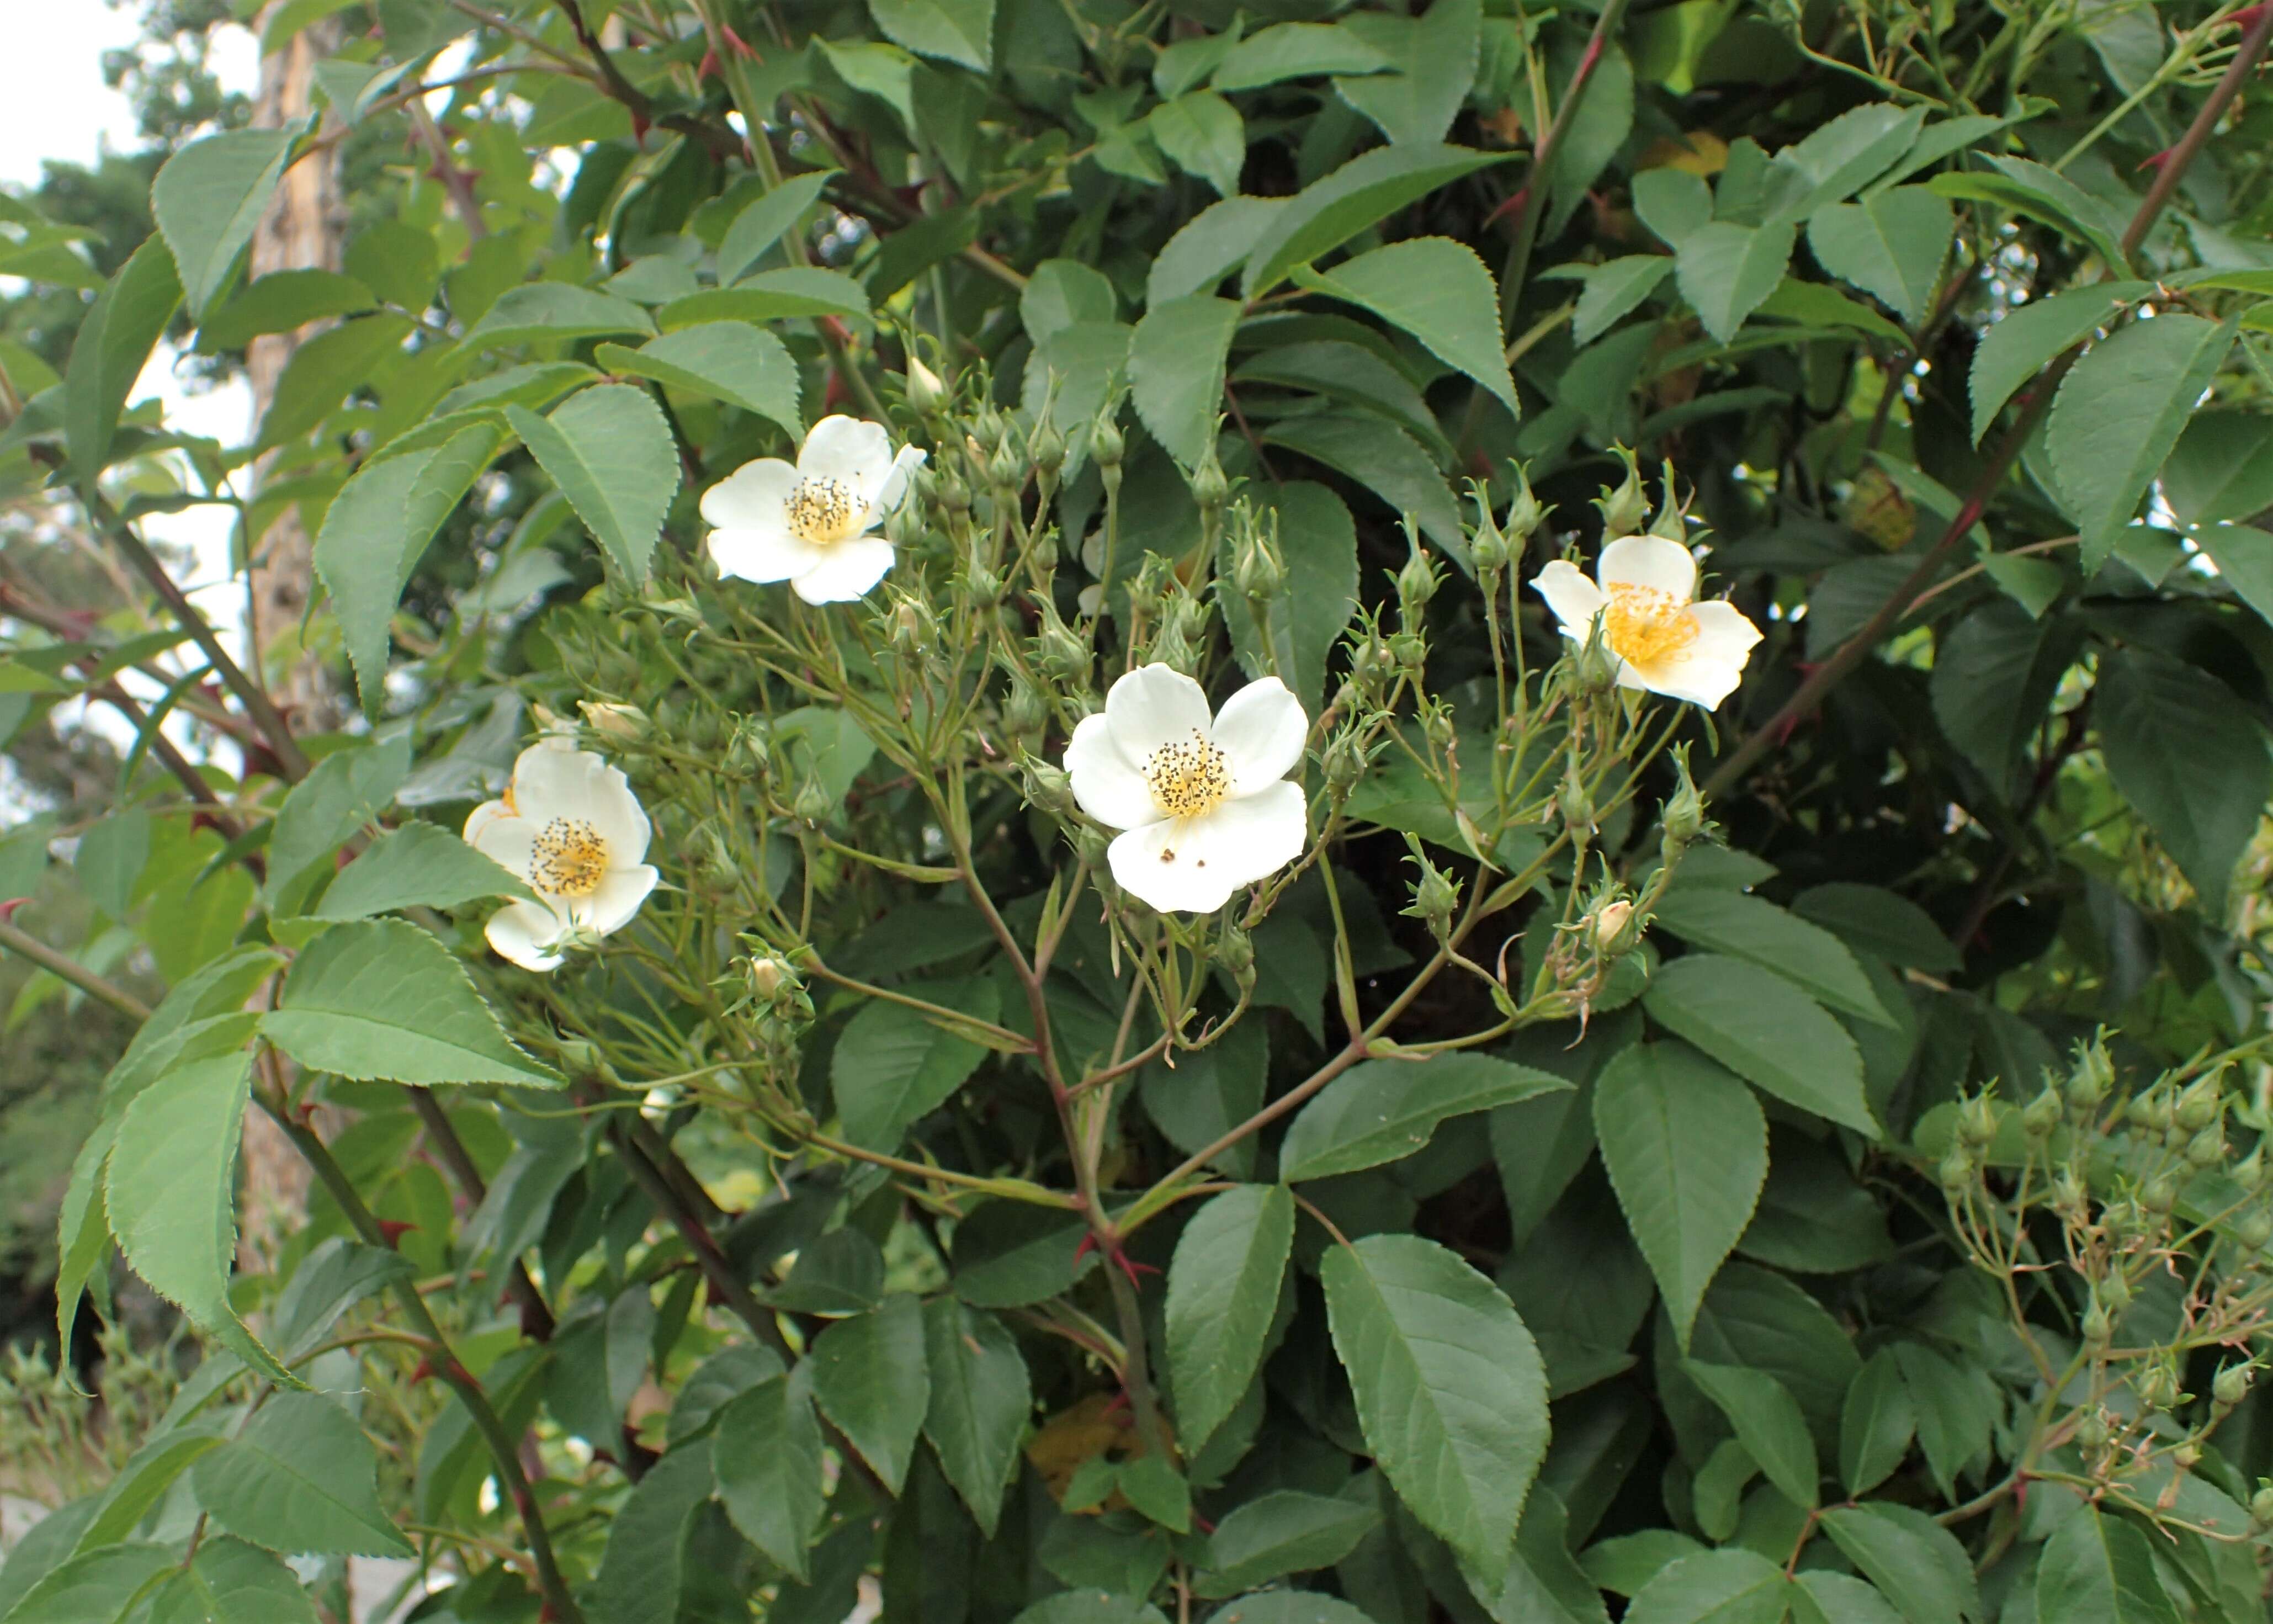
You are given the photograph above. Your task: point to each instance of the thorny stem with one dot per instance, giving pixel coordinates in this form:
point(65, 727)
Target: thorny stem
point(559, 1601)
point(22, 942)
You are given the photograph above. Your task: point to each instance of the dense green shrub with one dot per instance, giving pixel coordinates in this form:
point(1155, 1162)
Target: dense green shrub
point(1140, 998)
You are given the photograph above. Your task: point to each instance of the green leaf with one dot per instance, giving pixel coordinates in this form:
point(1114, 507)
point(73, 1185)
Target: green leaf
point(1438, 290)
point(956, 31)
point(1891, 245)
point(229, 1582)
point(1157, 1491)
point(381, 998)
point(1176, 371)
point(1062, 293)
point(1203, 135)
point(1380, 1110)
point(643, 1570)
point(1297, 51)
point(1823, 1597)
point(1279, 1533)
point(1955, 1409)
point(554, 310)
point(2119, 413)
point(892, 1067)
point(1599, 125)
point(1386, 460)
point(2244, 557)
point(980, 1400)
point(1753, 929)
point(1729, 1586)
point(208, 199)
point(337, 1274)
point(1877, 921)
point(1876, 1424)
point(1435, 57)
point(1993, 675)
point(1819, 304)
point(82, 1227)
point(327, 368)
point(1318, 541)
point(1614, 289)
point(96, 1588)
point(170, 1191)
point(377, 529)
point(611, 454)
point(1767, 1031)
point(281, 302)
point(1846, 154)
point(2044, 194)
point(1919, 1564)
point(2222, 468)
point(346, 789)
point(415, 865)
point(2100, 1570)
point(1224, 1285)
point(2183, 751)
point(2020, 344)
point(1450, 1391)
point(766, 1454)
point(766, 221)
point(143, 1481)
point(1673, 203)
point(871, 1378)
point(771, 296)
point(1010, 1255)
point(1686, 1148)
point(1356, 197)
point(121, 327)
point(729, 361)
point(1209, 247)
point(300, 1477)
point(1725, 271)
point(1768, 1424)
point(1091, 1606)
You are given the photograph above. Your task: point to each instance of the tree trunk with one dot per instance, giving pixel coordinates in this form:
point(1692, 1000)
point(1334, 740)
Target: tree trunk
point(302, 230)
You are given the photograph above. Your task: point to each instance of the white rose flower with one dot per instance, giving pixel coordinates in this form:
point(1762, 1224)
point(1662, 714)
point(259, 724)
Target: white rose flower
point(808, 524)
point(569, 826)
point(1664, 641)
point(1206, 804)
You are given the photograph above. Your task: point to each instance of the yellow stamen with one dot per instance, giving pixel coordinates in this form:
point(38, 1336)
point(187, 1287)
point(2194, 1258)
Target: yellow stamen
point(1645, 626)
point(569, 858)
point(822, 512)
point(1187, 778)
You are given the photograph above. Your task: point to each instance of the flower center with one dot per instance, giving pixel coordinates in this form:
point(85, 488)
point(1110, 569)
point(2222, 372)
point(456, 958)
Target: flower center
point(569, 858)
point(822, 512)
point(1645, 626)
point(1187, 778)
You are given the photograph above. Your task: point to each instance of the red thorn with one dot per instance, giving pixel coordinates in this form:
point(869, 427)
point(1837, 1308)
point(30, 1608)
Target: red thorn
point(1514, 203)
point(1206, 1527)
point(707, 68)
point(844, 334)
point(2250, 16)
point(2020, 1488)
point(2157, 160)
point(423, 1371)
point(640, 127)
point(1119, 1401)
point(740, 46)
point(259, 758)
point(8, 908)
point(202, 819)
point(833, 394)
point(393, 1230)
point(1087, 1244)
point(1132, 1268)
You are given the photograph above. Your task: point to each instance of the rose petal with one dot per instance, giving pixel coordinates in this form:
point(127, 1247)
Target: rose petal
point(1109, 789)
point(1708, 671)
point(751, 497)
point(848, 450)
point(1650, 561)
point(1151, 706)
point(1193, 865)
point(1575, 599)
point(846, 571)
point(895, 487)
point(762, 553)
point(525, 932)
point(1261, 729)
point(507, 841)
point(611, 907)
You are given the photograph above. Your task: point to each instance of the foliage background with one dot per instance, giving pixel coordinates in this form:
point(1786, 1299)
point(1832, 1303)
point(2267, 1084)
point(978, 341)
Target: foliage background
point(2038, 744)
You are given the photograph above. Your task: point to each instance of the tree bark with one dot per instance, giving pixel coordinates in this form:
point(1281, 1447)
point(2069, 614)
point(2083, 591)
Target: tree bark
point(302, 230)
